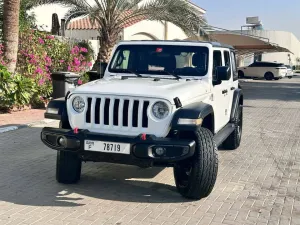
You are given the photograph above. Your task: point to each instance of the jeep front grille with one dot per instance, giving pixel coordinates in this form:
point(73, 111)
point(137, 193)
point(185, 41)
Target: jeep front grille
point(117, 112)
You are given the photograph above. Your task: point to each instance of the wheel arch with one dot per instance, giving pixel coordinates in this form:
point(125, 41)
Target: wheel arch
point(199, 110)
point(238, 99)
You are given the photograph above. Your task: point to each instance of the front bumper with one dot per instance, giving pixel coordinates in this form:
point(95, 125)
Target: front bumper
point(142, 152)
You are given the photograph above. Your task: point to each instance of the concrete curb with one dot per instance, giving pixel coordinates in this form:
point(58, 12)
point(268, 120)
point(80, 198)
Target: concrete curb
point(40, 123)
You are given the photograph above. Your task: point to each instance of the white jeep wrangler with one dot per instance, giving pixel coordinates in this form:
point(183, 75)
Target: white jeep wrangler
point(160, 103)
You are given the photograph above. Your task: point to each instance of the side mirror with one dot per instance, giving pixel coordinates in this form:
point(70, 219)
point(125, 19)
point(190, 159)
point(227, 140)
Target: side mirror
point(223, 73)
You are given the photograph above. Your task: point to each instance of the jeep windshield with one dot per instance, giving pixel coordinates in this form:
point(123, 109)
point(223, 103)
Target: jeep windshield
point(167, 60)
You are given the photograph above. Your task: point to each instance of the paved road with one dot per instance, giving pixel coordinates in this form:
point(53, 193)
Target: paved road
point(256, 184)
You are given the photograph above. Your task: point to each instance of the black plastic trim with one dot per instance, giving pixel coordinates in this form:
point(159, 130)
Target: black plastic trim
point(141, 150)
point(59, 104)
point(191, 111)
point(237, 95)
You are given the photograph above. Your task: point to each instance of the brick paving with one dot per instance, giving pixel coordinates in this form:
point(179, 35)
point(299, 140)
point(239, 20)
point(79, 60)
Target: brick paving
point(21, 117)
point(256, 184)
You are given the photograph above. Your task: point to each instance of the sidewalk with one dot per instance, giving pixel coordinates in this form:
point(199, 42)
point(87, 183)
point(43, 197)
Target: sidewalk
point(14, 120)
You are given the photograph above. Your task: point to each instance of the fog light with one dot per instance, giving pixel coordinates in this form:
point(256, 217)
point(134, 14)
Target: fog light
point(160, 151)
point(62, 141)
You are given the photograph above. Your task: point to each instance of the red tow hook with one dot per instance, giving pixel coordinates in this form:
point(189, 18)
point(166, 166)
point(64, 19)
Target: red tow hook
point(76, 130)
point(144, 137)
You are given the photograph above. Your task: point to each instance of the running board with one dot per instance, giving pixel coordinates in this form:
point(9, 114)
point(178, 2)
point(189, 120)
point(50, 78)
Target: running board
point(223, 134)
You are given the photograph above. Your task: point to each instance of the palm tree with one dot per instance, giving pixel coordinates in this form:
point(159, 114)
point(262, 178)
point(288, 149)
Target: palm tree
point(112, 15)
point(1, 18)
point(10, 29)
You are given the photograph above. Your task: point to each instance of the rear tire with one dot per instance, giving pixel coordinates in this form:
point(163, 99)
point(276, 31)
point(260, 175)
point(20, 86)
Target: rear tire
point(68, 164)
point(233, 141)
point(269, 76)
point(196, 176)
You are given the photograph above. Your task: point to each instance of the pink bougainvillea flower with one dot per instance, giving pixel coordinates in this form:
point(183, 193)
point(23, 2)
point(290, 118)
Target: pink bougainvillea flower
point(79, 82)
point(41, 81)
point(89, 64)
point(50, 37)
point(32, 61)
point(69, 68)
point(39, 70)
point(41, 41)
point(61, 61)
point(48, 60)
point(83, 50)
point(75, 50)
point(41, 98)
point(76, 61)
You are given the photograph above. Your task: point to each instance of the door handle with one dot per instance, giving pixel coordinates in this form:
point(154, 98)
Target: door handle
point(232, 88)
point(224, 91)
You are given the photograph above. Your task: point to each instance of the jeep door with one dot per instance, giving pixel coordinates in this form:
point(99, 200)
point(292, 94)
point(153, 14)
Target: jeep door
point(230, 61)
point(220, 92)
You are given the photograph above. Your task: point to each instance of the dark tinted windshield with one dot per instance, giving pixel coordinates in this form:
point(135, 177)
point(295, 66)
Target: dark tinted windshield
point(160, 60)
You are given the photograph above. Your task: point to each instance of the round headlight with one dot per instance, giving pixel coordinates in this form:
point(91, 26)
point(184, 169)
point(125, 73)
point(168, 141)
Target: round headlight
point(78, 104)
point(160, 110)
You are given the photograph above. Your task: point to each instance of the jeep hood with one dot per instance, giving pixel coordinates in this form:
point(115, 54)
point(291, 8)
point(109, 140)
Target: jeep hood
point(146, 87)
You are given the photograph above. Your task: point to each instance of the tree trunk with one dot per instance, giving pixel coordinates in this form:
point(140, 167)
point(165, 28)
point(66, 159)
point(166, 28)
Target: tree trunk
point(11, 32)
point(107, 42)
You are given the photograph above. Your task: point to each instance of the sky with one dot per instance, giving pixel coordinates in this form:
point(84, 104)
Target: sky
point(228, 14)
point(275, 14)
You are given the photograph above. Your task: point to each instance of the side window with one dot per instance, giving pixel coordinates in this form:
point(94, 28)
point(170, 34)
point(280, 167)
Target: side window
point(121, 61)
point(227, 59)
point(234, 67)
point(217, 61)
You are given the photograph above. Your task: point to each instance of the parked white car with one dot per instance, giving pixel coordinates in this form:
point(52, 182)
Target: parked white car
point(267, 70)
point(290, 71)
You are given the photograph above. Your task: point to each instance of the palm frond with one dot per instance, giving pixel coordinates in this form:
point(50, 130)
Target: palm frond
point(178, 12)
point(69, 3)
point(75, 12)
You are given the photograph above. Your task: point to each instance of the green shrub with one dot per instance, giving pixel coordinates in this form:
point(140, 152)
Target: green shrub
point(15, 90)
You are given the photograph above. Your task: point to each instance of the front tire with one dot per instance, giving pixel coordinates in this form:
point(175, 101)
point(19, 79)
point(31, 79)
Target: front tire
point(196, 176)
point(68, 164)
point(233, 141)
point(68, 167)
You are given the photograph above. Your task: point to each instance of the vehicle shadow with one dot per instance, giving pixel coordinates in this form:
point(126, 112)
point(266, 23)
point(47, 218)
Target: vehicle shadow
point(28, 177)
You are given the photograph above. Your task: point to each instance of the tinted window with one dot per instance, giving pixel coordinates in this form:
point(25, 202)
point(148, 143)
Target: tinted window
point(160, 60)
point(234, 67)
point(217, 61)
point(253, 65)
point(227, 58)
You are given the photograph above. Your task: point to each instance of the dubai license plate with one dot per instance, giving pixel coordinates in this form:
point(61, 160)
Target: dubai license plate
point(106, 146)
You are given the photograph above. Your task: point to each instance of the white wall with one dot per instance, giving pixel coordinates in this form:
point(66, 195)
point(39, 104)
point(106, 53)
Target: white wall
point(82, 34)
point(175, 32)
point(152, 28)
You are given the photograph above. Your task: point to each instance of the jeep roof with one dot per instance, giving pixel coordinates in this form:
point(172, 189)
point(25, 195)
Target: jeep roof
point(214, 44)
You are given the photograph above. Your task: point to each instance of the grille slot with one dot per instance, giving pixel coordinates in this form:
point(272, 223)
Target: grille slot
point(117, 112)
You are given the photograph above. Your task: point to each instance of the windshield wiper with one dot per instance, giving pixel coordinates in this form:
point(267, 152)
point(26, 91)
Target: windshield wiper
point(135, 73)
point(174, 75)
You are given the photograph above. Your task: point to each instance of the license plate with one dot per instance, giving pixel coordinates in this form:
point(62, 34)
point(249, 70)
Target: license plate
point(108, 147)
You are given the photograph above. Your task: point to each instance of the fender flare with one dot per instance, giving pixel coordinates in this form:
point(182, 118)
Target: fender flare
point(197, 110)
point(238, 97)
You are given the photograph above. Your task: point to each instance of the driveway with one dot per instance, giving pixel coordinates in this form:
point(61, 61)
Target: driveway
point(256, 184)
